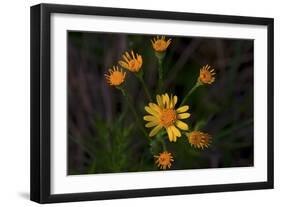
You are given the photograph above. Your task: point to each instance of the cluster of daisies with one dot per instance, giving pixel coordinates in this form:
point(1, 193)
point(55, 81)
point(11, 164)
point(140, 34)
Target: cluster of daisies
point(163, 113)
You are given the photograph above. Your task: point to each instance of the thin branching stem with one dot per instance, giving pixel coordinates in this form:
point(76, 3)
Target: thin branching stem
point(140, 77)
point(132, 108)
point(196, 85)
point(160, 74)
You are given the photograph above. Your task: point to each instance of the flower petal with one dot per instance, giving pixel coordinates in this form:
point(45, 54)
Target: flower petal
point(123, 64)
point(176, 132)
point(155, 130)
point(166, 100)
point(159, 101)
point(150, 118)
point(139, 59)
point(170, 134)
point(169, 42)
point(183, 109)
point(151, 111)
point(175, 100)
point(128, 55)
point(133, 55)
point(183, 115)
point(151, 124)
point(181, 125)
point(155, 107)
point(125, 58)
point(171, 104)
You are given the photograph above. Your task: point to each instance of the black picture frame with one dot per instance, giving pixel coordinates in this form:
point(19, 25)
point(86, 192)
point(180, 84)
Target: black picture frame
point(41, 99)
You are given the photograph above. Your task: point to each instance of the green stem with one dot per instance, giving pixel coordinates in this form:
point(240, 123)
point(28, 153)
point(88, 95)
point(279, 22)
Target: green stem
point(158, 141)
point(160, 57)
point(160, 138)
point(164, 144)
point(128, 98)
point(196, 85)
point(160, 74)
point(140, 77)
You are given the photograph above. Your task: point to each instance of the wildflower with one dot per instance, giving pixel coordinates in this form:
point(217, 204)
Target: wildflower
point(164, 114)
point(199, 139)
point(115, 77)
point(206, 75)
point(164, 160)
point(160, 44)
point(131, 62)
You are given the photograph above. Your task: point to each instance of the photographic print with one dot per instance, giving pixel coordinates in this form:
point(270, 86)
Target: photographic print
point(139, 102)
point(123, 101)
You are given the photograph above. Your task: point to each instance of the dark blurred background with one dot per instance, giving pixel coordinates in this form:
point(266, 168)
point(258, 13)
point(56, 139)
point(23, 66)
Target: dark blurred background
point(102, 136)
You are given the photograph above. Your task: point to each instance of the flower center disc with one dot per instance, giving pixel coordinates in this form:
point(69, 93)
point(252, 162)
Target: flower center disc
point(116, 77)
point(168, 117)
point(133, 64)
point(160, 44)
point(196, 138)
point(206, 76)
point(164, 159)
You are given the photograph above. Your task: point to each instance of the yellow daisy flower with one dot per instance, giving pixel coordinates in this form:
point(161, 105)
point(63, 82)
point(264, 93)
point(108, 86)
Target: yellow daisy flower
point(206, 75)
point(164, 160)
point(164, 114)
point(131, 62)
point(199, 139)
point(160, 44)
point(115, 77)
